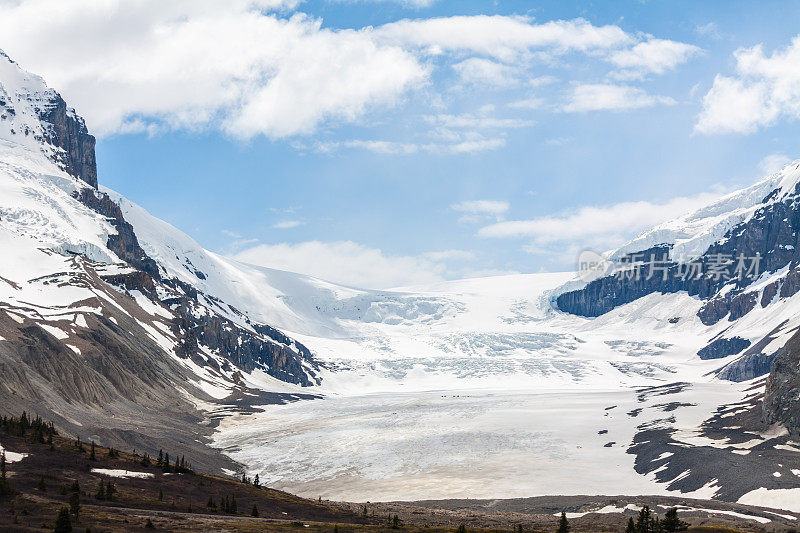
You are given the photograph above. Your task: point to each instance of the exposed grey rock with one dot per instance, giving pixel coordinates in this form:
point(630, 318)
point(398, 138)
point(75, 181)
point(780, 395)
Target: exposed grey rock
point(67, 131)
point(782, 393)
point(748, 366)
point(124, 243)
point(265, 348)
point(772, 233)
point(722, 347)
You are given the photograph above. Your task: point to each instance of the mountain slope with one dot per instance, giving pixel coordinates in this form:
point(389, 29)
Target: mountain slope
point(123, 329)
point(95, 334)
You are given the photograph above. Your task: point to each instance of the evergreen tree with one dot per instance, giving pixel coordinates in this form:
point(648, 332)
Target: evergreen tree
point(3, 466)
point(395, 522)
point(256, 481)
point(644, 522)
point(75, 504)
point(631, 527)
point(110, 491)
point(672, 523)
point(101, 491)
point(91, 453)
point(254, 512)
point(63, 523)
point(160, 495)
point(42, 487)
point(160, 460)
point(234, 510)
point(145, 460)
point(563, 524)
point(75, 487)
point(149, 524)
point(462, 529)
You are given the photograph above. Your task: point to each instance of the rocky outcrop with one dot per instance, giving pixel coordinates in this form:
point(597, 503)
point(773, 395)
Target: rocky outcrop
point(264, 348)
point(67, 131)
point(124, 244)
point(722, 347)
point(747, 367)
point(782, 393)
point(772, 233)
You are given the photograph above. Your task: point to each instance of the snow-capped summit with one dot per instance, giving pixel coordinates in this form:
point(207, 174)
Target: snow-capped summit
point(692, 233)
point(36, 118)
point(115, 323)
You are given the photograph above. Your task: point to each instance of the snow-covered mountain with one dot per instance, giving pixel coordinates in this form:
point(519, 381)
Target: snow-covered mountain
point(123, 329)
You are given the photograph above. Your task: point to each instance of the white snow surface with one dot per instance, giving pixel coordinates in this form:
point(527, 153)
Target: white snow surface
point(470, 388)
point(122, 473)
point(692, 233)
point(12, 457)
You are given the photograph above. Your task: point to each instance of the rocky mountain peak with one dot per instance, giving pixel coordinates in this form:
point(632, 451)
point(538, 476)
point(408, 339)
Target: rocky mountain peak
point(35, 116)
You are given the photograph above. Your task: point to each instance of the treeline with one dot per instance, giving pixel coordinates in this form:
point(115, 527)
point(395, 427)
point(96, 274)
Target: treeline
point(649, 522)
point(163, 461)
point(39, 430)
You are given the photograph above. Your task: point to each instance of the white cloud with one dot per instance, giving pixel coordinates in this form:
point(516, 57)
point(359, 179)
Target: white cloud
point(763, 90)
point(192, 63)
point(416, 4)
point(287, 224)
point(654, 56)
point(468, 120)
point(596, 97)
point(501, 37)
point(449, 255)
point(773, 163)
point(709, 29)
point(533, 102)
point(476, 70)
point(539, 81)
point(400, 148)
point(599, 227)
point(255, 67)
point(349, 263)
point(487, 207)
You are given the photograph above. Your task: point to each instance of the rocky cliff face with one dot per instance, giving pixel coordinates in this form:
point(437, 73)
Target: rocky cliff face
point(262, 347)
point(35, 116)
point(96, 334)
point(782, 393)
point(771, 234)
point(67, 131)
point(124, 243)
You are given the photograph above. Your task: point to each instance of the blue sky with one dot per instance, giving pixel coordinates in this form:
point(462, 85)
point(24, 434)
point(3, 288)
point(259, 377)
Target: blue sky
point(383, 143)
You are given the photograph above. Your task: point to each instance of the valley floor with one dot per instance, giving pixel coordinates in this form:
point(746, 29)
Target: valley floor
point(43, 479)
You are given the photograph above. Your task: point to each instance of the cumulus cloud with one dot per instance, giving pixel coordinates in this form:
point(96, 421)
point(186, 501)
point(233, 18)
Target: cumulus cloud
point(416, 4)
point(773, 163)
point(189, 63)
point(763, 89)
point(501, 37)
point(352, 264)
point(259, 67)
point(458, 146)
point(287, 224)
point(476, 70)
point(468, 120)
point(600, 227)
point(653, 56)
point(605, 97)
point(488, 207)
